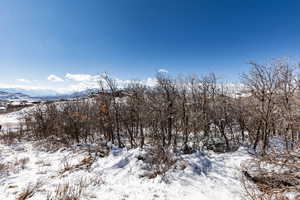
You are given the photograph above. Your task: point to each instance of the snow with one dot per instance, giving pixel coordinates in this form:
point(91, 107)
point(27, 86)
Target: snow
point(14, 117)
point(12, 120)
point(213, 176)
point(9, 118)
point(206, 176)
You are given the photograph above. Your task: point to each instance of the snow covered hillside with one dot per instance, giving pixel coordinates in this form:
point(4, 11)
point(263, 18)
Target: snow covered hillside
point(18, 97)
point(11, 120)
point(120, 175)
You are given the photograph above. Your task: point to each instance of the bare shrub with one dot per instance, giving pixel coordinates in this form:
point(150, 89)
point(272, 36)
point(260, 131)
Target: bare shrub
point(181, 113)
point(11, 137)
point(273, 109)
point(161, 159)
point(64, 123)
point(272, 176)
point(261, 192)
point(68, 191)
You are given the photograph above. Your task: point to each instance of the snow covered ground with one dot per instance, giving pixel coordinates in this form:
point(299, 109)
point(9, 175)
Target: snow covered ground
point(119, 175)
point(11, 120)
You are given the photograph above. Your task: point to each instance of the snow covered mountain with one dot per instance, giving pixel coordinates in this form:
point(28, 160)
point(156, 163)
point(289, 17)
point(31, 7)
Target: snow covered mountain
point(7, 96)
point(15, 94)
point(31, 92)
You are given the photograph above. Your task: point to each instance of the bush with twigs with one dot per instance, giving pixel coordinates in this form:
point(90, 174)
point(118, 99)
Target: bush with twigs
point(274, 176)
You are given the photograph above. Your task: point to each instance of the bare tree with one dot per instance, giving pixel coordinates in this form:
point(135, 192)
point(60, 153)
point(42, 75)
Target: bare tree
point(262, 83)
point(112, 86)
point(286, 100)
point(167, 90)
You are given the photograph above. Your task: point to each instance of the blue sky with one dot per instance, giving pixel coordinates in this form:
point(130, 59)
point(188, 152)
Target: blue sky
point(64, 44)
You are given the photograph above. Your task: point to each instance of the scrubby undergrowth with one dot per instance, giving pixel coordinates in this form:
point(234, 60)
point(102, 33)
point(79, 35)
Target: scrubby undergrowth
point(122, 174)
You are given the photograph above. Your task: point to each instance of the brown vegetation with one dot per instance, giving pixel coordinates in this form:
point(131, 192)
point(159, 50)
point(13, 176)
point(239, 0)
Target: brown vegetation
point(273, 176)
point(29, 191)
point(179, 112)
point(182, 115)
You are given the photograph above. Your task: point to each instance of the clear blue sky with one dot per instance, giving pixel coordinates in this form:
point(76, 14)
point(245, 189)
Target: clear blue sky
point(135, 38)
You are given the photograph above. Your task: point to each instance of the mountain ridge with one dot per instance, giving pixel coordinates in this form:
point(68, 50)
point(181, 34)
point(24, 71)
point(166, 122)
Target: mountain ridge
point(22, 94)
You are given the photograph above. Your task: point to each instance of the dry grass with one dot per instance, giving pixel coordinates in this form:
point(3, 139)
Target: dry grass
point(14, 167)
point(263, 192)
point(66, 165)
point(85, 164)
point(11, 137)
point(43, 163)
point(68, 191)
point(29, 191)
point(4, 169)
point(280, 178)
point(49, 145)
point(96, 181)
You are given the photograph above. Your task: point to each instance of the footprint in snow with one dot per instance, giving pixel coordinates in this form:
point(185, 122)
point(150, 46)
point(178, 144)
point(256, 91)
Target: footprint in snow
point(122, 163)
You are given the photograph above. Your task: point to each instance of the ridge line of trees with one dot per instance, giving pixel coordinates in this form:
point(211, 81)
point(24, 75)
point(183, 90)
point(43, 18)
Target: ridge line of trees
point(186, 113)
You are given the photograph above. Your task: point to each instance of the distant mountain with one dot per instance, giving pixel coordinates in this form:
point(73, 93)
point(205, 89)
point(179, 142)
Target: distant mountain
point(31, 92)
point(8, 96)
point(80, 94)
point(15, 94)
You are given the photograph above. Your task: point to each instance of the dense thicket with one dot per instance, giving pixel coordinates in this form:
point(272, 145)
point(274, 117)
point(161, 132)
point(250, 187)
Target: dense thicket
point(186, 113)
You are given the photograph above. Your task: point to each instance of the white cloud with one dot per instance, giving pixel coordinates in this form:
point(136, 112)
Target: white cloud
point(24, 80)
point(77, 82)
point(54, 78)
point(163, 71)
point(151, 82)
point(122, 83)
point(82, 82)
point(81, 86)
point(80, 77)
